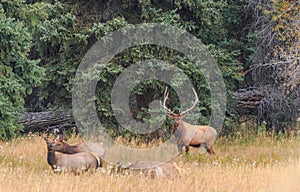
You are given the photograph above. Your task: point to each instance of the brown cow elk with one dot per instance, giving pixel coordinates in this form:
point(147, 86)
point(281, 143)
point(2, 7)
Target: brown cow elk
point(187, 134)
point(76, 163)
point(155, 169)
point(62, 146)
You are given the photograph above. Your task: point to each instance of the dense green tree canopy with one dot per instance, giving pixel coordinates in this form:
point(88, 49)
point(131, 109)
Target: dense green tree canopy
point(42, 42)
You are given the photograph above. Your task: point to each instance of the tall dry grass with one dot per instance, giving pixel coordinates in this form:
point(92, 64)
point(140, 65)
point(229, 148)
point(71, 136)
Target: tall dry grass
point(258, 164)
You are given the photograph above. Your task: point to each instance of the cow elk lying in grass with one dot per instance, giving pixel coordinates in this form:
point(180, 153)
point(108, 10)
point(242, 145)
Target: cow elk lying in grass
point(62, 146)
point(76, 163)
point(187, 134)
point(156, 169)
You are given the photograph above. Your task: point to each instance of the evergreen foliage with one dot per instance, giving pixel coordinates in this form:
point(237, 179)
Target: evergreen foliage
point(42, 42)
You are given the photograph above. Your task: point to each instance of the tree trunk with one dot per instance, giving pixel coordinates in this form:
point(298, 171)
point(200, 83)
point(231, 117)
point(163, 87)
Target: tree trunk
point(44, 121)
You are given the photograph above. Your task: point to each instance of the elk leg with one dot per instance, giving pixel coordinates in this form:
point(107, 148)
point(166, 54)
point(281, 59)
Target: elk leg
point(180, 148)
point(205, 146)
point(212, 151)
point(187, 149)
point(209, 150)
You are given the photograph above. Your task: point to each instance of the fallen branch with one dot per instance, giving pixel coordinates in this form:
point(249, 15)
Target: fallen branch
point(43, 121)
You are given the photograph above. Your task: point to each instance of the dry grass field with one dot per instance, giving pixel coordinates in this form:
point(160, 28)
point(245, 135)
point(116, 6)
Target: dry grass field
point(245, 164)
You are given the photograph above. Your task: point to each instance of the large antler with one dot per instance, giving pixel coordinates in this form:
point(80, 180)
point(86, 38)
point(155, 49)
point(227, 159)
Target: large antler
point(166, 109)
point(195, 103)
point(169, 111)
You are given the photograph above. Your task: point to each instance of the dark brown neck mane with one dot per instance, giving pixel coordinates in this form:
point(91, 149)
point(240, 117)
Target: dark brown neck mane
point(51, 158)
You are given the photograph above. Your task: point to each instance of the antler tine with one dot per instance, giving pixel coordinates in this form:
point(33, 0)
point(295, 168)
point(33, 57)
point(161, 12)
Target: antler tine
point(194, 104)
point(165, 109)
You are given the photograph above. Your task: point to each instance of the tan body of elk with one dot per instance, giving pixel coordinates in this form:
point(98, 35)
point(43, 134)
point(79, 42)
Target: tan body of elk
point(187, 134)
point(62, 146)
point(76, 163)
point(156, 169)
point(193, 135)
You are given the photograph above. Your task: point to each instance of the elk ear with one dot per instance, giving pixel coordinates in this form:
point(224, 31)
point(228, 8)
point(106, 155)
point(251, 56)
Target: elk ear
point(60, 137)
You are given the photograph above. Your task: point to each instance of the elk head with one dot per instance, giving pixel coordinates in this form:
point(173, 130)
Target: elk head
point(177, 117)
point(49, 143)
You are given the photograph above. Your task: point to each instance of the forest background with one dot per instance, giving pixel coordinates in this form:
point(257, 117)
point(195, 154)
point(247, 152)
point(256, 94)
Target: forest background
point(255, 43)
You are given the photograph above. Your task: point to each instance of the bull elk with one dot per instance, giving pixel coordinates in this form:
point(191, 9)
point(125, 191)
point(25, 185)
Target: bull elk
point(76, 163)
point(190, 135)
point(62, 146)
